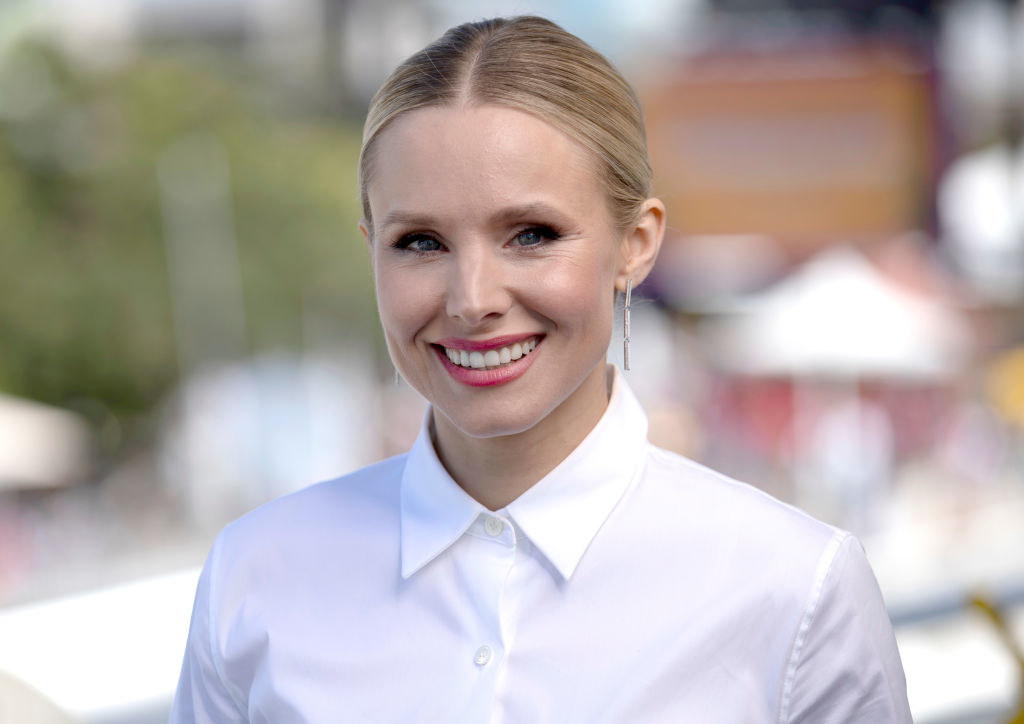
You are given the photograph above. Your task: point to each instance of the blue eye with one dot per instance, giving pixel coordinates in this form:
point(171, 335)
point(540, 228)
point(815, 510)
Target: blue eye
point(535, 236)
point(419, 242)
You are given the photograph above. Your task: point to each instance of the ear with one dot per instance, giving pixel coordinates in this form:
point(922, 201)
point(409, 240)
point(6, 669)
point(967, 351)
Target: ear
point(641, 244)
point(364, 228)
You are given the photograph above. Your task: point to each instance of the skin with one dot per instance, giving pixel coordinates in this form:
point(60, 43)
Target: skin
point(490, 222)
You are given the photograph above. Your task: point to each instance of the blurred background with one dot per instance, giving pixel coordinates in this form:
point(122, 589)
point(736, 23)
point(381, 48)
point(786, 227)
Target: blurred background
point(187, 323)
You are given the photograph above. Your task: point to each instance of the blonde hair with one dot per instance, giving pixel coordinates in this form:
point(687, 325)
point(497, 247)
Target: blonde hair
point(529, 64)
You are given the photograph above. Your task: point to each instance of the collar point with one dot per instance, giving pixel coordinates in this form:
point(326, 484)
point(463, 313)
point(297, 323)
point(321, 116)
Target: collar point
point(565, 569)
point(410, 568)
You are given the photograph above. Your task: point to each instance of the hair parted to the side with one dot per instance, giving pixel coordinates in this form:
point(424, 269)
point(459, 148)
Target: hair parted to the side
point(533, 65)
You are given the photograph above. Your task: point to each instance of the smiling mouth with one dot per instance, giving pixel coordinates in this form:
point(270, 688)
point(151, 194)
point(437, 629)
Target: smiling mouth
point(492, 358)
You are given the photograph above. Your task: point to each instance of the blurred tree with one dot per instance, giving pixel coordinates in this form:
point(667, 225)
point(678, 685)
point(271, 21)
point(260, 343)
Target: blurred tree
point(85, 308)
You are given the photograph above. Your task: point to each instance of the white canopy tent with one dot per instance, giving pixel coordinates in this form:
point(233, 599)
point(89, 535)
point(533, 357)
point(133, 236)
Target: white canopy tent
point(838, 317)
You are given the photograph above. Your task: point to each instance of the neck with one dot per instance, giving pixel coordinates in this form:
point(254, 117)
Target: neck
point(497, 470)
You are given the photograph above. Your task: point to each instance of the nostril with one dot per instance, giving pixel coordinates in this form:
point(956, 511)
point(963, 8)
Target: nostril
point(474, 309)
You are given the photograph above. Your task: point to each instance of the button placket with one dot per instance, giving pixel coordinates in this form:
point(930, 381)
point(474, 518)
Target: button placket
point(492, 568)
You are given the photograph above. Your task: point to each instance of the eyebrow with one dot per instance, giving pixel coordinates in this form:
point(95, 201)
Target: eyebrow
point(406, 218)
point(506, 215)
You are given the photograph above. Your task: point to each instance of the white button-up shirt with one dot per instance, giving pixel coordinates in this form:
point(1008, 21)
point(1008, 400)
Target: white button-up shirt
point(629, 585)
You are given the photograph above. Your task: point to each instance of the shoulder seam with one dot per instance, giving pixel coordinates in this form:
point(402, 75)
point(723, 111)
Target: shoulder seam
point(828, 557)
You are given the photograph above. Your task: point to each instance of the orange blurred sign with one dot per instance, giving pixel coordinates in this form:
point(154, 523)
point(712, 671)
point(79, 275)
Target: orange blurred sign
point(805, 146)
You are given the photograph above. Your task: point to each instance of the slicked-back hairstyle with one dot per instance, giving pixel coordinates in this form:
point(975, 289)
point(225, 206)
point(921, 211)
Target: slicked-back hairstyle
point(529, 64)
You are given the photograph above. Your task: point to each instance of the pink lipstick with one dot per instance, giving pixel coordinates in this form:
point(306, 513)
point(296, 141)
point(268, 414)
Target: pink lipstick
point(484, 363)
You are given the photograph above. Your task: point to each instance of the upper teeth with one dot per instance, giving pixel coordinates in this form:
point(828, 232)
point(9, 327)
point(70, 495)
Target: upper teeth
point(492, 357)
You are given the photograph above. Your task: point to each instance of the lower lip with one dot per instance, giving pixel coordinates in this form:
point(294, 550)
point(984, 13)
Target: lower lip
point(488, 378)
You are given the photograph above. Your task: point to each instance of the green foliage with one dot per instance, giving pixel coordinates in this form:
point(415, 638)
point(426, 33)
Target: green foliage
point(85, 309)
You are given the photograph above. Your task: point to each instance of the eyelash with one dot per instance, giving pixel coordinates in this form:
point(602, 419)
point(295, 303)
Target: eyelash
point(545, 233)
point(408, 240)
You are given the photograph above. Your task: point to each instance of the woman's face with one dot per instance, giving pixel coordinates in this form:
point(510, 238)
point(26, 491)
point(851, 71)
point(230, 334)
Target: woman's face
point(495, 257)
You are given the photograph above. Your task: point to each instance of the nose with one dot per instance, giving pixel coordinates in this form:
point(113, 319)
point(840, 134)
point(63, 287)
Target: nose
point(477, 288)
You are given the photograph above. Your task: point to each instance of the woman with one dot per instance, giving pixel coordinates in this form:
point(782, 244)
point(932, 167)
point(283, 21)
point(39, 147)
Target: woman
point(533, 558)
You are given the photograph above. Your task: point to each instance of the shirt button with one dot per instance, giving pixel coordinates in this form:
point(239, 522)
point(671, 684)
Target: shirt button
point(482, 655)
point(493, 526)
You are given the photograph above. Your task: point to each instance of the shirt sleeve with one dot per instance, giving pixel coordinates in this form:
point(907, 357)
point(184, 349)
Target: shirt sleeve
point(844, 667)
point(202, 695)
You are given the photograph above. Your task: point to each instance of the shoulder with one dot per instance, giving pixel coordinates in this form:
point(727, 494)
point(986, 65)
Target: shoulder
point(313, 555)
point(724, 538)
point(738, 515)
point(336, 511)
point(727, 539)
point(300, 546)
point(808, 581)
point(845, 636)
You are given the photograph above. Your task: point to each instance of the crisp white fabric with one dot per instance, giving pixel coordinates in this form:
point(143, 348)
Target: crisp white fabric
point(629, 585)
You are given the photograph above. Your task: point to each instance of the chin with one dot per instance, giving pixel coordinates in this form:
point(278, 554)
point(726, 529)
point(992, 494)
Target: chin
point(492, 424)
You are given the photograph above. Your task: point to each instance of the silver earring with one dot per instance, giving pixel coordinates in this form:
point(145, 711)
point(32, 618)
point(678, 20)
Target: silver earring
point(625, 325)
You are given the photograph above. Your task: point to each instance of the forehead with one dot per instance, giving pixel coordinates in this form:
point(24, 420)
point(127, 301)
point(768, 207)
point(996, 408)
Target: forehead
point(465, 161)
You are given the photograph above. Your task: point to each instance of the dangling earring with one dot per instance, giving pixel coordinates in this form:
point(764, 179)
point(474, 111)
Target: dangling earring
point(625, 325)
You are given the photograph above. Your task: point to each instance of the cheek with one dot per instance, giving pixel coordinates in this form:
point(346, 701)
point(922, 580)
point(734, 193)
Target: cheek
point(578, 295)
point(401, 304)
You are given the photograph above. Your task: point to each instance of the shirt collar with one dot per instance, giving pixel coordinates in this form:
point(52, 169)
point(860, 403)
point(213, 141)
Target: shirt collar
point(560, 514)
point(435, 510)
